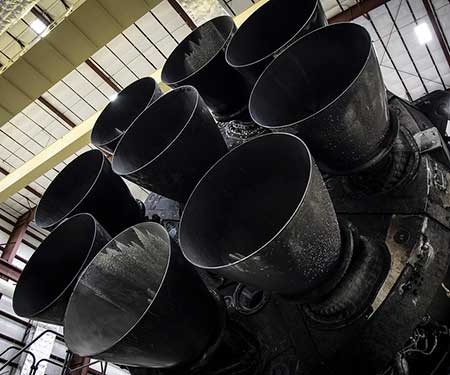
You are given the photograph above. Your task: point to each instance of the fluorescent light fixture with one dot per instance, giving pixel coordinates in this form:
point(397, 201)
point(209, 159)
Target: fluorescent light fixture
point(113, 97)
point(423, 33)
point(38, 26)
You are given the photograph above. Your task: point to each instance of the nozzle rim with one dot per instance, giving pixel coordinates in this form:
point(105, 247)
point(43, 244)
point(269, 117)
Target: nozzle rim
point(323, 109)
point(60, 176)
point(276, 51)
point(143, 314)
point(181, 45)
point(72, 282)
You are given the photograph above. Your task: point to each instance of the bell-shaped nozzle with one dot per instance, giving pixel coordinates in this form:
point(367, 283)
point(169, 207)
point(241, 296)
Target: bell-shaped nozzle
point(88, 184)
point(170, 145)
point(268, 31)
point(118, 115)
point(199, 60)
point(327, 89)
point(47, 281)
point(262, 216)
point(140, 303)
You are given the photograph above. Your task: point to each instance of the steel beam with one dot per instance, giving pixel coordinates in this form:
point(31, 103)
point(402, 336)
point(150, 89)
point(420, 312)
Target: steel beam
point(179, 9)
point(73, 141)
point(357, 10)
point(57, 112)
point(437, 27)
point(29, 188)
point(102, 75)
point(81, 362)
point(12, 222)
point(9, 271)
point(16, 236)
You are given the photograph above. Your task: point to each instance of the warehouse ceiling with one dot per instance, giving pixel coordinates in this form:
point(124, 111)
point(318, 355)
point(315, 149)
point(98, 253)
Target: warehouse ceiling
point(24, 22)
point(90, 80)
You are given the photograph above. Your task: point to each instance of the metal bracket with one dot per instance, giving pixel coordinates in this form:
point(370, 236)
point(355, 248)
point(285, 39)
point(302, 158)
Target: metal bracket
point(430, 141)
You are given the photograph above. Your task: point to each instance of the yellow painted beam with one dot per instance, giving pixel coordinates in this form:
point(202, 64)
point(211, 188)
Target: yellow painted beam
point(51, 156)
point(88, 28)
point(73, 141)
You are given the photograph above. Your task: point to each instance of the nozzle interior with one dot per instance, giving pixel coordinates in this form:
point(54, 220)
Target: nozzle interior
point(54, 266)
point(268, 29)
point(310, 75)
point(197, 49)
point(118, 115)
point(69, 188)
point(117, 289)
point(245, 200)
point(154, 130)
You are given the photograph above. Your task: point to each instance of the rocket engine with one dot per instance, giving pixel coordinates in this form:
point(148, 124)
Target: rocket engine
point(304, 224)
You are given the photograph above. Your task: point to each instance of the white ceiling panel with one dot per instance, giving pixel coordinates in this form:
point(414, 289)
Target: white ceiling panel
point(167, 45)
point(82, 109)
point(78, 83)
point(107, 61)
point(155, 57)
point(124, 76)
point(168, 16)
point(123, 48)
point(141, 67)
point(150, 26)
point(181, 33)
point(97, 99)
point(63, 93)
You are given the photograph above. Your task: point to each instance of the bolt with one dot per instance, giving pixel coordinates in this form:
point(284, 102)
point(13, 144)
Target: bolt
point(401, 236)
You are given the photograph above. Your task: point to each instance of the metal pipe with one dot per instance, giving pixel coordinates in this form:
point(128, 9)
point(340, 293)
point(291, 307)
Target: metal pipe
point(327, 88)
point(120, 113)
point(88, 184)
point(170, 145)
point(48, 278)
point(199, 60)
point(262, 216)
point(6, 288)
point(268, 31)
point(147, 306)
point(24, 349)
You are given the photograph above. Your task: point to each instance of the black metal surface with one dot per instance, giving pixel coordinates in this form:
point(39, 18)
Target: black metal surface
point(49, 277)
point(327, 89)
point(118, 115)
point(88, 184)
point(170, 145)
point(199, 60)
point(409, 300)
point(268, 31)
point(140, 303)
point(436, 106)
point(257, 219)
